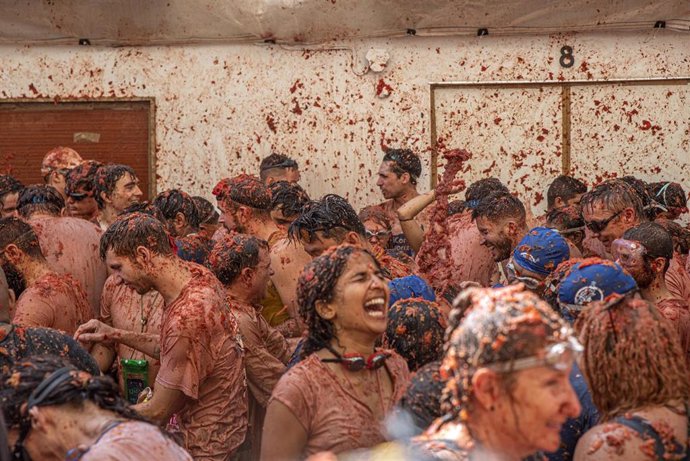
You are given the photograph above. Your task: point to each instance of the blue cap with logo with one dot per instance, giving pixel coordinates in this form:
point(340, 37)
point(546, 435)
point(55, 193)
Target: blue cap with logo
point(594, 279)
point(541, 251)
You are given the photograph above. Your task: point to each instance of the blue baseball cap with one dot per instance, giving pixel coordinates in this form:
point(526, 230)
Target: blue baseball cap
point(541, 251)
point(594, 279)
point(411, 286)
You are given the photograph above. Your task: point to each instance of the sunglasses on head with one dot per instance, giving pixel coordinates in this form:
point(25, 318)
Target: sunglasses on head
point(599, 226)
point(559, 356)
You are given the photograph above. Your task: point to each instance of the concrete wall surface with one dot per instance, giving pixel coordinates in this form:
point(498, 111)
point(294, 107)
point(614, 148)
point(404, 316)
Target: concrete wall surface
point(221, 108)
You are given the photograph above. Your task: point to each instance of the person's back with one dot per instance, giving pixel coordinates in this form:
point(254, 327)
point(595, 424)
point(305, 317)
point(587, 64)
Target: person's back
point(53, 301)
point(70, 246)
point(135, 441)
point(474, 262)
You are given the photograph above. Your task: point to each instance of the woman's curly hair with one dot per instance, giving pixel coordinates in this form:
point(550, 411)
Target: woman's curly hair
point(317, 283)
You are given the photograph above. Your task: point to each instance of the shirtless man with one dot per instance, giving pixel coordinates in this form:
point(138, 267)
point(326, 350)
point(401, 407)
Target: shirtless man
point(501, 222)
point(9, 194)
point(79, 190)
point(116, 187)
point(564, 191)
point(397, 179)
point(18, 343)
point(202, 377)
point(242, 263)
point(245, 205)
point(50, 299)
point(278, 167)
point(70, 245)
point(55, 166)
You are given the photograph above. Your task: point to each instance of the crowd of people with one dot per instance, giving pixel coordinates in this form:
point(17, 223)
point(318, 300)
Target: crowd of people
point(272, 326)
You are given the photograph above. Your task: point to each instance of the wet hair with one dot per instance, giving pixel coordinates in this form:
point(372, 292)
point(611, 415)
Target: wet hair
point(475, 193)
point(70, 386)
point(233, 253)
point(656, 240)
point(82, 177)
point(489, 326)
point(39, 198)
point(376, 214)
point(565, 187)
point(415, 330)
point(679, 234)
point(650, 206)
point(499, 205)
point(422, 399)
point(207, 212)
point(482, 188)
point(131, 231)
point(616, 195)
point(17, 231)
point(404, 161)
point(316, 283)
point(145, 207)
point(632, 357)
point(290, 198)
point(9, 185)
point(175, 201)
point(332, 215)
point(274, 162)
point(244, 189)
point(105, 179)
point(668, 194)
point(565, 218)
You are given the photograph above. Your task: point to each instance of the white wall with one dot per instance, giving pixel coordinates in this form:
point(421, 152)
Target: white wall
point(221, 108)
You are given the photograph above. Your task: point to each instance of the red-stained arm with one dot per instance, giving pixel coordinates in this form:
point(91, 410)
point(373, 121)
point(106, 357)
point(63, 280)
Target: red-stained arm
point(283, 437)
point(95, 331)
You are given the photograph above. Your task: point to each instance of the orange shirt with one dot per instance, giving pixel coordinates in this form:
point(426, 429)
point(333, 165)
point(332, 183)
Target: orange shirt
point(328, 408)
point(202, 356)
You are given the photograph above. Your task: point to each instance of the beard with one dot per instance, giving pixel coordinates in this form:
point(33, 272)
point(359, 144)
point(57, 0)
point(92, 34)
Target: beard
point(503, 249)
point(645, 276)
point(15, 279)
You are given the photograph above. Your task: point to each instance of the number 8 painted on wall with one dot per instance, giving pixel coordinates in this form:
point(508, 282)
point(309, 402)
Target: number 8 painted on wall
point(567, 58)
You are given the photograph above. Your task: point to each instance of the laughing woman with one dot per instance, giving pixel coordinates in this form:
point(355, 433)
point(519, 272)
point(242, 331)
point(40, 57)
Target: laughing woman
point(336, 398)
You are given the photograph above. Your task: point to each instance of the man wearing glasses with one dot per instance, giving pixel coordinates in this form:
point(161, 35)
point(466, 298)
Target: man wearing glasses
point(613, 207)
point(55, 166)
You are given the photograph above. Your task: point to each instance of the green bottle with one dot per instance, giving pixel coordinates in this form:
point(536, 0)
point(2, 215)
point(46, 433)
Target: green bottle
point(135, 374)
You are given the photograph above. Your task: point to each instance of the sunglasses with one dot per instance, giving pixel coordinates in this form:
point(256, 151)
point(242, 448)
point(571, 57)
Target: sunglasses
point(77, 196)
point(379, 234)
point(599, 226)
point(357, 362)
point(559, 356)
point(529, 282)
